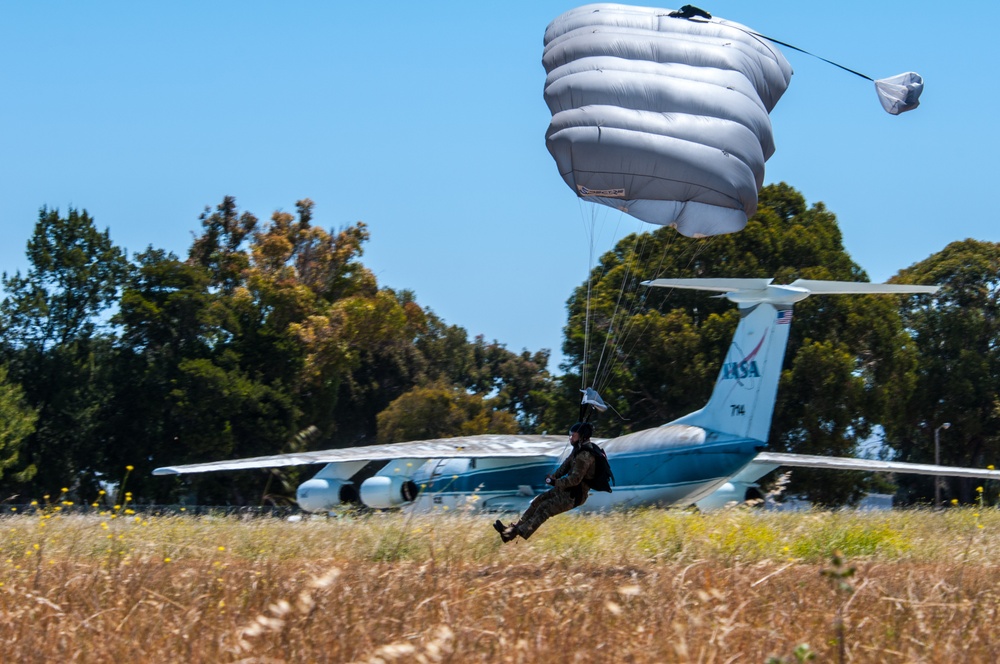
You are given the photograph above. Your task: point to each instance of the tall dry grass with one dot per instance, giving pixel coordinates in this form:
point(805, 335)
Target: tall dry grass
point(643, 586)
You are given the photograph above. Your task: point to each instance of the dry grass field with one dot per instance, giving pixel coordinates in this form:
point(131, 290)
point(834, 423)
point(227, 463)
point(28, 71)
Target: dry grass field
point(642, 586)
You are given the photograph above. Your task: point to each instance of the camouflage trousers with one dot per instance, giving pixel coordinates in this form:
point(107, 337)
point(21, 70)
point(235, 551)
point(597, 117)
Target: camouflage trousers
point(545, 505)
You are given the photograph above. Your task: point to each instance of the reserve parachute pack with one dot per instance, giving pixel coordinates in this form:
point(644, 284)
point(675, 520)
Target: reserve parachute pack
point(603, 477)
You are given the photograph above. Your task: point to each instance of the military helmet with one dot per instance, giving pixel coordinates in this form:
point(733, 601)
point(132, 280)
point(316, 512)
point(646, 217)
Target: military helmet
point(586, 430)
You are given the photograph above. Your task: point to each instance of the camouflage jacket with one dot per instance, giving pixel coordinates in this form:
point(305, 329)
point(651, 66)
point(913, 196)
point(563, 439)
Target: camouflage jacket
point(576, 471)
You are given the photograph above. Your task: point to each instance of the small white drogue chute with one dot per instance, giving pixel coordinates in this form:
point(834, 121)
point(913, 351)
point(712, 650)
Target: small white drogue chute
point(900, 93)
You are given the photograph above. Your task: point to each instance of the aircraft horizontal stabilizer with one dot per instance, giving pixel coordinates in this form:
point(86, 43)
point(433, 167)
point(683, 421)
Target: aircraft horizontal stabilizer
point(755, 291)
point(817, 287)
point(872, 465)
point(717, 285)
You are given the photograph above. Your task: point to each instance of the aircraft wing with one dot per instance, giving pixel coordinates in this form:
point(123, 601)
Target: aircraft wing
point(819, 287)
point(485, 445)
point(776, 459)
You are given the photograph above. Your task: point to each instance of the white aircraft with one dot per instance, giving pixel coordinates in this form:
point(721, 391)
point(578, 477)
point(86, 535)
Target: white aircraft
point(710, 457)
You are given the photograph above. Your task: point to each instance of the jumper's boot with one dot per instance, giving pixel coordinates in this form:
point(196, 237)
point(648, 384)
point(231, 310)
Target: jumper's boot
point(507, 533)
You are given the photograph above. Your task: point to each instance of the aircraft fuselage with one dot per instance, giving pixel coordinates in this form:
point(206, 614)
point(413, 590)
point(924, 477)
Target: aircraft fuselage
point(668, 465)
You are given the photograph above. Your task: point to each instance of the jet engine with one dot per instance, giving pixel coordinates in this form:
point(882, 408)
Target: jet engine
point(729, 493)
point(382, 492)
point(321, 494)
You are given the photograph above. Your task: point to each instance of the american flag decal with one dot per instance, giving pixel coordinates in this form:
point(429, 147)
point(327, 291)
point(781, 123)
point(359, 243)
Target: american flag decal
point(784, 317)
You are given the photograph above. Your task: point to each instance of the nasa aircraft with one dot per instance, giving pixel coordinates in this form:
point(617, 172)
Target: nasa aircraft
point(709, 457)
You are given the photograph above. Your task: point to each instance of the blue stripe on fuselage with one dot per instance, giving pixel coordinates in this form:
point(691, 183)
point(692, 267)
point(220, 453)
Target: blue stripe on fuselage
point(646, 469)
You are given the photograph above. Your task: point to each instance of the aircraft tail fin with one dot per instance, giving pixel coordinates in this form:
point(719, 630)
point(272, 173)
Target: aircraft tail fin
point(742, 403)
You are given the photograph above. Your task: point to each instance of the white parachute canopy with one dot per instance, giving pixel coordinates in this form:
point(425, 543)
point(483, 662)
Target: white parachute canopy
point(900, 93)
point(662, 114)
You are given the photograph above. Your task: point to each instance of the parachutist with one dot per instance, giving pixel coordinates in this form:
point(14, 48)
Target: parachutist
point(584, 469)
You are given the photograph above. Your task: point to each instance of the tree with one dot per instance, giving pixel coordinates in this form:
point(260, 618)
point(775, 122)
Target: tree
point(56, 343)
point(177, 387)
point(74, 276)
point(440, 411)
point(956, 335)
point(654, 354)
point(269, 329)
point(17, 422)
point(265, 330)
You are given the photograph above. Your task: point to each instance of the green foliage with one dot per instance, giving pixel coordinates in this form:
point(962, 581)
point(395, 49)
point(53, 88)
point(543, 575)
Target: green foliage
point(265, 330)
point(74, 276)
point(854, 538)
point(802, 653)
point(956, 335)
point(57, 347)
point(17, 422)
point(438, 411)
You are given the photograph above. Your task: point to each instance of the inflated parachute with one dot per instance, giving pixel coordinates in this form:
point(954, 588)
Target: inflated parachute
point(662, 114)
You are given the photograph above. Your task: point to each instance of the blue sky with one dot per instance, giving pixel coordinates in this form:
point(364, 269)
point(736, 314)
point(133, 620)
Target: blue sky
point(426, 121)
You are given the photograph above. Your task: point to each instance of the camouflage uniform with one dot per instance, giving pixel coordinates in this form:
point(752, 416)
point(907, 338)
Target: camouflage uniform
point(570, 487)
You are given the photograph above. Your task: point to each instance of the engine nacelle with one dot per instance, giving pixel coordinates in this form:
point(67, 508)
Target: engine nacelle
point(730, 493)
point(320, 494)
point(382, 492)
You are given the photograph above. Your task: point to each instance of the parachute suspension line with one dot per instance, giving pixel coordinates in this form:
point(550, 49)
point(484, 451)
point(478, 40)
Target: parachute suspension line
point(590, 230)
point(628, 284)
point(609, 338)
point(619, 346)
point(699, 247)
point(616, 338)
point(638, 304)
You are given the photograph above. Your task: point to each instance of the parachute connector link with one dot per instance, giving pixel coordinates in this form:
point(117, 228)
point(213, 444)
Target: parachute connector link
point(690, 11)
point(591, 402)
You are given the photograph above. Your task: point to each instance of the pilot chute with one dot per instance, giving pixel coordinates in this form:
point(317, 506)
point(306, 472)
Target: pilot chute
point(663, 115)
